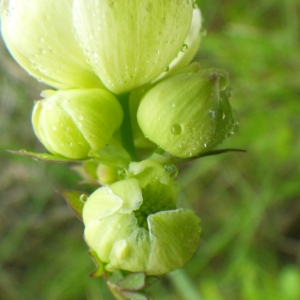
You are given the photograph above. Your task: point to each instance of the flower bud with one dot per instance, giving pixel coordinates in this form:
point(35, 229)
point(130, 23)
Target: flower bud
point(40, 36)
point(129, 43)
point(134, 225)
point(187, 114)
point(73, 123)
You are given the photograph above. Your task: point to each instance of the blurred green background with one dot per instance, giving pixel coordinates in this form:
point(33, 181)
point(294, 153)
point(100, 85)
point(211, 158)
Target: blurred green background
point(249, 203)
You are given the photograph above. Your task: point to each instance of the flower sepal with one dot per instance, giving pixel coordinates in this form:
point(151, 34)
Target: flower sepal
point(99, 271)
point(75, 200)
point(45, 157)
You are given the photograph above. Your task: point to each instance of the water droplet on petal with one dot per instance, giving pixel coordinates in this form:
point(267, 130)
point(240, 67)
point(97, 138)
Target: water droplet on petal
point(212, 113)
point(172, 170)
point(176, 129)
point(184, 48)
point(53, 127)
point(222, 83)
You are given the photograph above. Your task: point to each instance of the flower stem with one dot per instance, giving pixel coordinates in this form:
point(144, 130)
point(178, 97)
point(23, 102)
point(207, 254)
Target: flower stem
point(126, 130)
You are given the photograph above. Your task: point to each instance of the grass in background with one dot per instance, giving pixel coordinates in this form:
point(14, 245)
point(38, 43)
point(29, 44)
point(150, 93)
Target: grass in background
point(248, 202)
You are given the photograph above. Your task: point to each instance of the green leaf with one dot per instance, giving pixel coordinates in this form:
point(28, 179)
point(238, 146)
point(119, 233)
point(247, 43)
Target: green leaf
point(135, 296)
point(212, 152)
point(75, 200)
point(99, 265)
point(134, 281)
point(46, 157)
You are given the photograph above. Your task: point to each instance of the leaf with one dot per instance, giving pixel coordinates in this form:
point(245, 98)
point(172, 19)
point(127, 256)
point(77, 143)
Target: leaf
point(135, 296)
point(46, 157)
point(75, 200)
point(134, 282)
point(151, 280)
point(99, 265)
point(209, 153)
point(215, 152)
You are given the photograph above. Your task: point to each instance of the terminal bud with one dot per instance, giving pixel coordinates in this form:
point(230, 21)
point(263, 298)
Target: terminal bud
point(134, 225)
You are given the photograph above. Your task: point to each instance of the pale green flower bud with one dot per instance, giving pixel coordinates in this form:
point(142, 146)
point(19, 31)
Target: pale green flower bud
point(129, 43)
point(107, 174)
point(187, 114)
point(134, 225)
point(73, 123)
point(40, 36)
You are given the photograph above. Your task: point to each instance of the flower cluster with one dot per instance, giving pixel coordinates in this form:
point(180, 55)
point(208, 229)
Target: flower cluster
point(124, 88)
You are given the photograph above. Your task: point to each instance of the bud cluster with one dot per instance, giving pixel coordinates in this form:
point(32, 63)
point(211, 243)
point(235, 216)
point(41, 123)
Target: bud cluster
point(127, 104)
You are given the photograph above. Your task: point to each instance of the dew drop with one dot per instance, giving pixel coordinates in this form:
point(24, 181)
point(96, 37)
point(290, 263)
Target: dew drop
point(122, 172)
point(176, 129)
point(184, 48)
point(83, 198)
point(53, 127)
point(167, 69)
point(172, 170)
point(222, 83)
point(212, 113)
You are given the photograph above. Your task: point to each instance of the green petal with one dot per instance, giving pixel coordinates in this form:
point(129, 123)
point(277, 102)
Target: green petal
point(102, 203)
point(101, 235)
point(130, 192)
point(191, 45)
point(148, 170)
point(48, 118)
point(132, 253)
point(150, 35)
point(40, 36)
point(97, 113)
point(174, 237)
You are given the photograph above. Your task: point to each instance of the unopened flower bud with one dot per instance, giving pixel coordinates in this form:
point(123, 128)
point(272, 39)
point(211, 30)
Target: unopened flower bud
point(107, 174)
point(40, 36)
point(129, 43)
point(73, 123)
point(134, 225)
point(187, 114)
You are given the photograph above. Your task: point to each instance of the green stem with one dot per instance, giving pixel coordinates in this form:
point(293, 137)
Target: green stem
point(126, 130)
point(183, 285)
